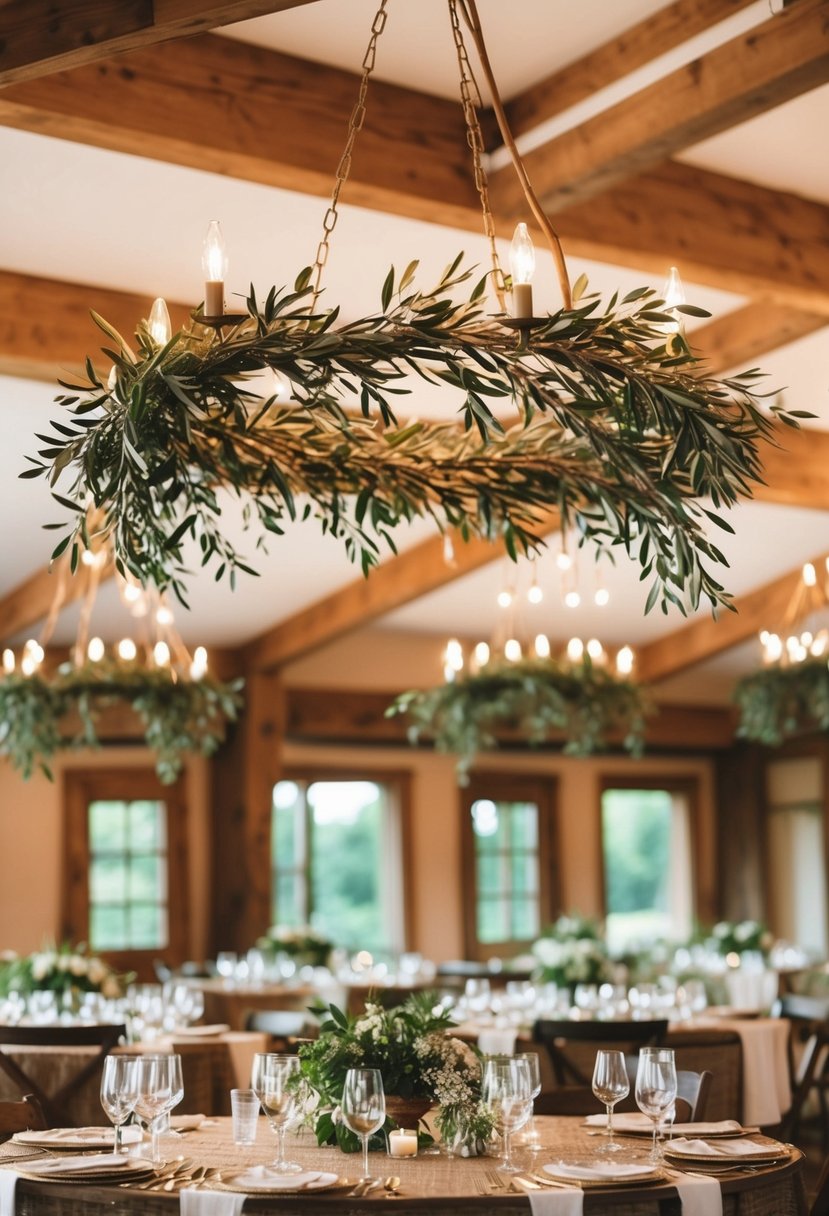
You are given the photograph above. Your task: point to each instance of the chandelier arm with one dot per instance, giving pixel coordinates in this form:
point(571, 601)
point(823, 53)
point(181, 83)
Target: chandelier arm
point(471, 103)
point(470, 12)
point(355, 125)
point(57, 604)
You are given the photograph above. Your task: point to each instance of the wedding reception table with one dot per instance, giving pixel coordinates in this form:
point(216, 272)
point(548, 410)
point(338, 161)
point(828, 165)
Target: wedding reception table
point(438, 1184)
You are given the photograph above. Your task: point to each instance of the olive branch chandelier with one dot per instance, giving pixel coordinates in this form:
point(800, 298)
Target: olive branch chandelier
point(615, 427)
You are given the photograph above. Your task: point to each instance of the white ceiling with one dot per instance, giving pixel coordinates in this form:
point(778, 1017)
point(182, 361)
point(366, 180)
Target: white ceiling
point(83, 214)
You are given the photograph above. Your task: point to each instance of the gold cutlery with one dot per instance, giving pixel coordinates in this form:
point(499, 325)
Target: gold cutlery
point(391, 1185)
point(166, 1171)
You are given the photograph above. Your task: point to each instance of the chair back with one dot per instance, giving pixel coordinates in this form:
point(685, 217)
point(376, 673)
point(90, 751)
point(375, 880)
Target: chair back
point(555, 1036)
point(808, 1040)
point(55, 1104)
point(23, 1116)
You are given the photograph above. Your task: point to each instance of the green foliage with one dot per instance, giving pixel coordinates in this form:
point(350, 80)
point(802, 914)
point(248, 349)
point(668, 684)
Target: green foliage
point(618, 432)
point(179, 715)
point(61, 969)
point(779, 702)
point(572, 951)
point(536, 698)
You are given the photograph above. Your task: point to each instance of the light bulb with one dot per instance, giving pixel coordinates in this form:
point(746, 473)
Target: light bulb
point(159, 326)
point(127, 650)
point(214, 265)
point(535, 595)
point(161, 654)
point(482, 654)
point(454, 654)
point(164, 615)
point(809, 575)
point(448, 550)
point(595, 650)
point(8, 661)
point(572, 599)
point(564, 561)
point(624, 661)
point(542, 646)
point(602, 597)
point(33, 651)
point(198, 668)
point(87, 558)
point(764, 637)
point(673, 293)
point(522, 267)
point(132, 592)
point(512, 650)
point(504, 599)
point(28, 665)
point(575, 650)
point(773, 649)
point(95, 650)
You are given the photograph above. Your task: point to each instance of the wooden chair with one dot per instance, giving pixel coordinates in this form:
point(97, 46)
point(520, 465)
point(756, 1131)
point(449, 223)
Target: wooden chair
point(691, 1097)
point(23, 1116)
point(286, 1027)
point(55, 1106)
point(820, 1201)
point(692, 1089)
point(809, 1020)
point(555, 1036)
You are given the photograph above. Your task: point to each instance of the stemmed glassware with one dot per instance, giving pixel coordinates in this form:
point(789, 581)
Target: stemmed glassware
point(506, 1088)
point(118, 1092)
point(158, 1088)
point(610, 1084)
point(275, 1080)
point(364, 1106)
point(531, 1136)
point(655, 1088)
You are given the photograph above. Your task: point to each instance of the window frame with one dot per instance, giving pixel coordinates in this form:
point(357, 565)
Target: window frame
point(685, 784)
point(81, 787)
point(401, 779)
point(509, 787)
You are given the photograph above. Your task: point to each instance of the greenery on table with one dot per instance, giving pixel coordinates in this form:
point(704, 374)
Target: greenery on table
point(64, 969)
point(537, 698)
point(572, 951)
point(179, 715)
point(618, 432)
point(739, 937)
point(778, 702)
point(416, 1056)
point(302, 943)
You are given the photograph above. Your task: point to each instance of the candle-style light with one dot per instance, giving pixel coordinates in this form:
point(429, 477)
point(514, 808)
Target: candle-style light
point(96, 650)
point(673, 293)
point(522, 267)
point(127, 650)
point(8, 661)
point(214, 265)
point(158, 322)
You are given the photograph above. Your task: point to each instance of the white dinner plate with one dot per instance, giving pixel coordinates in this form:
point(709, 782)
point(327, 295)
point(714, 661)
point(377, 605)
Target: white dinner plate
point(86, 1169)
point(260, 1179)
point(728, 1150)
point(78, 1137)
point(599, 1173)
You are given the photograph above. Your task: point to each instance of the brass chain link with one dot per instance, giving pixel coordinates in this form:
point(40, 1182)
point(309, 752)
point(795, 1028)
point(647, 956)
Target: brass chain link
point(471, 101)
point(355, 125)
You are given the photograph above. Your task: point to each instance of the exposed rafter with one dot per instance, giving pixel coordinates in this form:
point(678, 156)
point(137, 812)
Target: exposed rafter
point(44, 36)
point(31, 600)
point(784, 57)
point(737, 339)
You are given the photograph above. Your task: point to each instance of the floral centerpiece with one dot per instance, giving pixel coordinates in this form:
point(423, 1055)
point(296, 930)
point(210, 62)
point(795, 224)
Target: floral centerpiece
point(417, 1058)
point(740, 937)
point(571, 952)
point(301, 943)
point(64, 969)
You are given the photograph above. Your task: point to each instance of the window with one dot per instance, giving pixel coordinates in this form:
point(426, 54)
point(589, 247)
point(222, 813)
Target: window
point(796, 850)
point(125, 834)
point(647, 856)
point(337, 859)
point(509, 863)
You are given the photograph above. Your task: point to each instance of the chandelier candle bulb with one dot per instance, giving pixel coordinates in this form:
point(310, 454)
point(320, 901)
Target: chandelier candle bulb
point(8, 661)
point(481, 654)
point(512, 650)
point(127, 650)
point(673, 293)
point(214, 265)
point(403, 1143)
point(522, 266)
point(542, 646)
point(161, 654)
point(159, 324)
point(95, 650)
point(624, 661)
point(575, 650)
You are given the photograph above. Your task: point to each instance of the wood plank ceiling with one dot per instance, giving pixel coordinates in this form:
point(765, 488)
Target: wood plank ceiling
point(616, 195)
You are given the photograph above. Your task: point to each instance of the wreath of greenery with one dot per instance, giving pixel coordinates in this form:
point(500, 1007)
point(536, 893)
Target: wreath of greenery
point(778, 702)
point(617, 431)
point(179, 715)
point(538, 698)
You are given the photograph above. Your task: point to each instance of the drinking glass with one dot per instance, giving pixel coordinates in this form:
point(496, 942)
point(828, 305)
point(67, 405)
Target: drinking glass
point(275, 1080)
point(118, 1092)
point(506, 1088)
point(364, 1106)
point(531, 1136)
point(158, 1088)
point(610, 1084)
point(226, 961)
point(655, 1088)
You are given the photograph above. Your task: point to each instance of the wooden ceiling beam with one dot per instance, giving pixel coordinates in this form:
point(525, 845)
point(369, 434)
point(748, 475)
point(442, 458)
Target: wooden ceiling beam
point(30, 602)
point(45, 36)
point(640, 44)
point(45, 326)
point(770, 64)
point(737, 339)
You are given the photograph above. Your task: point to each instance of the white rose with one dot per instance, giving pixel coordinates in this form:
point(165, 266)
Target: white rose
point(96, 970)
point(77, 964)
point(41, 966)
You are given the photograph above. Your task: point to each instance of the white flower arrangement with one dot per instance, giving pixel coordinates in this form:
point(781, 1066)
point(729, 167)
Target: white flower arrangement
point(572, 952)
point(60, 969)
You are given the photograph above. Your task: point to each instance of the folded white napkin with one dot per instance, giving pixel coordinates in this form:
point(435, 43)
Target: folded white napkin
point(698, 1196)
point(82, 1135)
point(262, 1177)
point(99, 1163)
point(497, 1041)
point(557, 1201)
point(187, 1123)
point(635, 1121)
point(8, 1186)
point(209, 1203)
point(719, 1148)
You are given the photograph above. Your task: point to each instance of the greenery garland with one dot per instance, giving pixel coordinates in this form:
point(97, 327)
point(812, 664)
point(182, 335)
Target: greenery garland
point(538, 698)
point(617, 432)
point(778, 702)
point(179, 715)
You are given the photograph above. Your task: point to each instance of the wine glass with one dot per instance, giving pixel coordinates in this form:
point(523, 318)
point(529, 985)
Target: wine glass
point(531, 1136)
point(275, 1079)
point(118, 1092)
point(506, 1088)
point(158, 1088)
point(364, 1106)
point(655, 1088)
point(610, 1083)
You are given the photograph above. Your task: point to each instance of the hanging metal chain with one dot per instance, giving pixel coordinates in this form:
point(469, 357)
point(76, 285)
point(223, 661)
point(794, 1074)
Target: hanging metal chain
point(471, 101)
point(355, 125)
